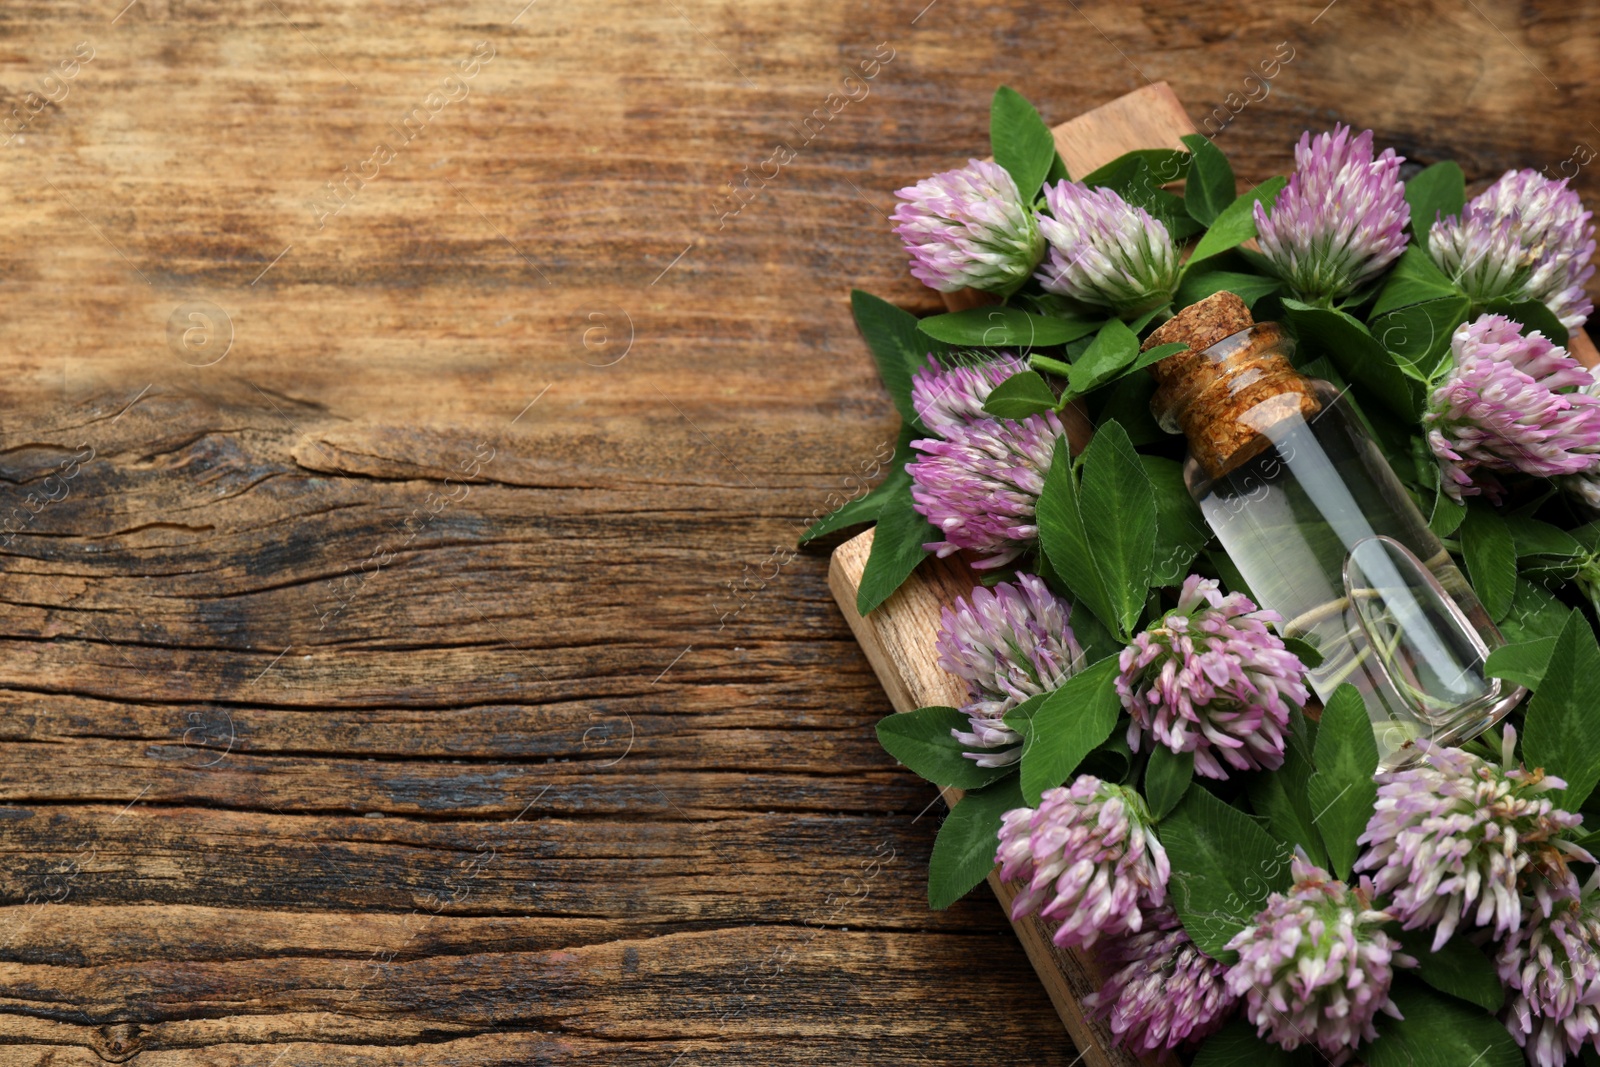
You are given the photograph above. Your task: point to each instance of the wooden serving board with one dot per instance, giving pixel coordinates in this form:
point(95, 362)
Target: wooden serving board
point(898, 637)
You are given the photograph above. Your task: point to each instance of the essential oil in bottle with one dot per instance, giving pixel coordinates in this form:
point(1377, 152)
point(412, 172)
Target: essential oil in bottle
point(1323, 532)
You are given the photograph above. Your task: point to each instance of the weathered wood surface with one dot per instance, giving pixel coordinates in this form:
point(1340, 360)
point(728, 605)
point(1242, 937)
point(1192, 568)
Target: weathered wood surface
point(544, 789)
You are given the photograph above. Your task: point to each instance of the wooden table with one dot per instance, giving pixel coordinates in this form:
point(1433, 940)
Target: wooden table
point(403, 654)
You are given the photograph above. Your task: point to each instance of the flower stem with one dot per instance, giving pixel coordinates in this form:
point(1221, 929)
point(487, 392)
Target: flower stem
point(1054, 366)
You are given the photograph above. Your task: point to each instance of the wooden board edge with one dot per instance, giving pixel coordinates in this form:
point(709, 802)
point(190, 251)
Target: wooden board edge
point(898, 641)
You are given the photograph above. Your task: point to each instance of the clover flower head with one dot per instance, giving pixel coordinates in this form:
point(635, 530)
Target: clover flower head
point(1585, 485)
point(1162, 992)
point(979, 485)
point(948, 397)
point(1315, 966)
point(1088, 859)
point(1526, 237)
point(1008, 643)
point(1510, 402)
point(1456, 839)
point(1341, 219)
point(1105, 251)
point(1552, 968)
point(968, 228)
point(1211, 679)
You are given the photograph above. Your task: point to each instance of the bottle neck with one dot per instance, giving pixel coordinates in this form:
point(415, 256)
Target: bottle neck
point(1225, 398)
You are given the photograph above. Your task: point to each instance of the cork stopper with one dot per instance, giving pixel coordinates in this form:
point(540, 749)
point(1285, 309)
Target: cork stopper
point(1199, 326)
point(1233, 384)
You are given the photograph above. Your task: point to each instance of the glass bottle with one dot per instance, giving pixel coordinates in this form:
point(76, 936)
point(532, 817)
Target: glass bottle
point(1323, 532)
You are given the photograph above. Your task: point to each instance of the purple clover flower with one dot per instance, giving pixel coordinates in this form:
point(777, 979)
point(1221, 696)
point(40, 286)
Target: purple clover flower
point(1585, 485)
point(980, 484)
point(1164, 992)
point(1211, 679)
point(947, 397)
point(1089, 860)
point(1510, 402)
point(1524, 238)
point(969, 229)
point(1008, 643)
point(1552, 967)
point(1456, 838)
point(1106, 252)
point(1315, 967)
point(1341, 219)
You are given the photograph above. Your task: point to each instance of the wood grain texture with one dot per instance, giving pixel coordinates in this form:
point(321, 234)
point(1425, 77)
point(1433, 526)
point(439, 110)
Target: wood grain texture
point(266, 713)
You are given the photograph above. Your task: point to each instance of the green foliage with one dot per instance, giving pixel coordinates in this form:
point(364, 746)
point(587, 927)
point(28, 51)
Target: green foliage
point(1224, 867)
point(1065, 726)
point(1357, 354)
point(891, 334)
point(1414, 279)
point(1112, 349)
point(862, 509)
point(1138, 178)
point(1163, 164)
point(1533, 315)
point(1236, 223)
point(1058, 170)
point(1283, 797)
point(922, 741)
point(1020, 141)
point(1106, 565)
point(1006, 327)
point(1166, 779)
point(1562, 732)
point(1127, 403)
point(1111, 760)
point(1181, 531)
point(1111, 354)
point(1156, 355)
point(1535, 539)
point(1535, 612)
point(1342, 792)
point(963, 853)
point(1439, 191)
point(1523, 663)
point(1210, 187)
point(868, 507)
point(1447, 515)
point(1198, 285)
point(1236, 1045)
point(1439, 1031)
point(1459, 968)
point(1491, 559)
point(896, 549)
point(1418, 335)
point(1019, 396)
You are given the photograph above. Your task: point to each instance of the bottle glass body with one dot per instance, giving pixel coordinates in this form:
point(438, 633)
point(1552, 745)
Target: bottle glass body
point(1324, 534)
